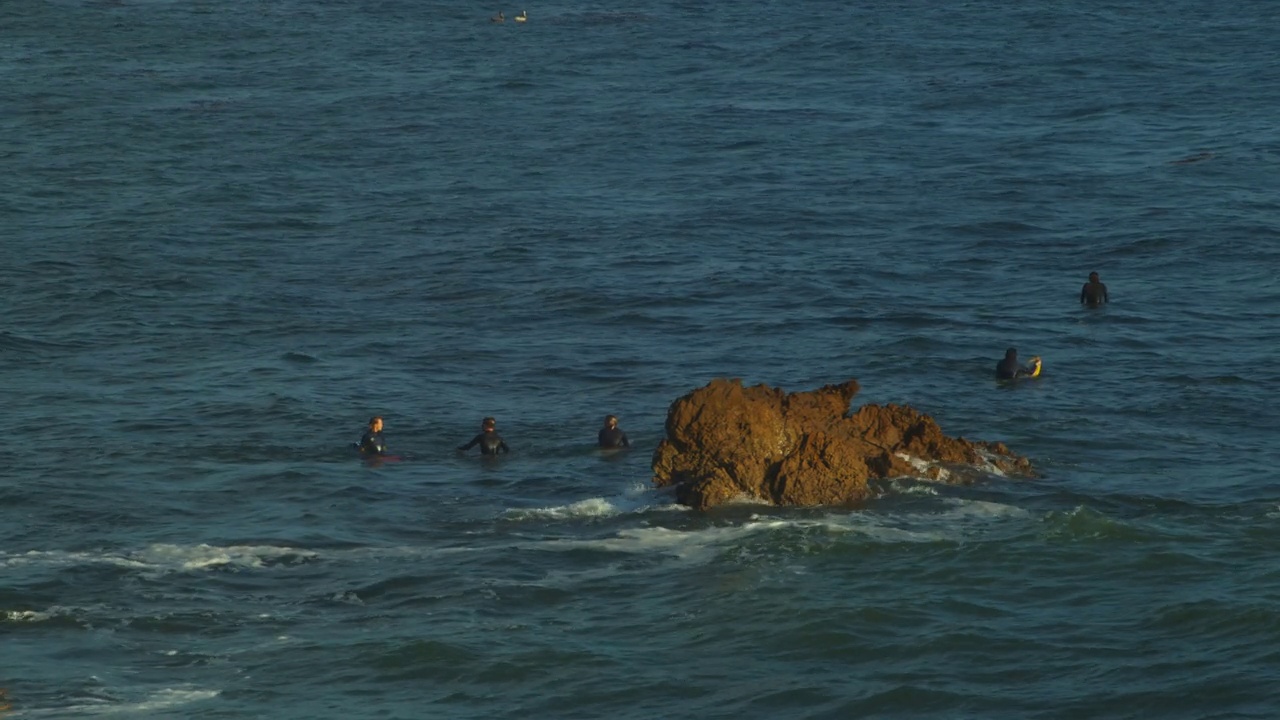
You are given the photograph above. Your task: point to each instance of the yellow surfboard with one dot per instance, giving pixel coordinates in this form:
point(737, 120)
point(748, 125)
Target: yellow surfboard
point(1036, 365)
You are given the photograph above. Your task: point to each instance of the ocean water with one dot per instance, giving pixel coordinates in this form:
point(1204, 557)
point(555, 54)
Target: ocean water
point(235, 230)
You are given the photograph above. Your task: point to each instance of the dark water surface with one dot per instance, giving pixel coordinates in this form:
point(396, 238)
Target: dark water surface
point(235, 230)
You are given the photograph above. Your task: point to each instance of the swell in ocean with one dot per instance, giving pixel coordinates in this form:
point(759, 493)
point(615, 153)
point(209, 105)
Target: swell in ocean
point(238, 231)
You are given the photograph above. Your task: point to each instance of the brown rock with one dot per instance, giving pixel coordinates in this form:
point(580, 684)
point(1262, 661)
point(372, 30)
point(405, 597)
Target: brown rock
point(725, 441)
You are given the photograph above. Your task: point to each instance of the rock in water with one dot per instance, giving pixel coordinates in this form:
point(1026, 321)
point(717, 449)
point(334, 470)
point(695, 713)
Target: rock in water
point(725, 441)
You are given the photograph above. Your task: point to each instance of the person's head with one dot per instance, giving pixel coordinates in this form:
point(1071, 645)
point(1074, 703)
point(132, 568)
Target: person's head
point(611, 421)
point(375, 423)
point(1011, 353)
point(488, 424)
point(1093, 277)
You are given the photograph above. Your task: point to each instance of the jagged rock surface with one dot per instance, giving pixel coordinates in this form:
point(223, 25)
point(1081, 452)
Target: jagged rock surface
point(725, 441)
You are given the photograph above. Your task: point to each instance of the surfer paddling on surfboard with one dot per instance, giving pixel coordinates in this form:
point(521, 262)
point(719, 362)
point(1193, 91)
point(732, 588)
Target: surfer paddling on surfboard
point(1009, 369)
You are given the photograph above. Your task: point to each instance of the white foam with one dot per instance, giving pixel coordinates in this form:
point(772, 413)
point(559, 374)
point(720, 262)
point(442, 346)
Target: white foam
point(742, 499)
point(697, 547)
point(956, 520)
point(38, 616)
point(961, 519)
point(348, 598)
point(912, 487)
point(984, 509)
point(170, 558)
point(165, 699)
point(589, 508)
point(645, 541)
point(694, 546)
point(162, 557)
point(384, 552)
point(637, 498)
point(989, 463)
point(203, 557)
point(25, 616)
point(884, 529)
point(58, 557)
point(928, 470)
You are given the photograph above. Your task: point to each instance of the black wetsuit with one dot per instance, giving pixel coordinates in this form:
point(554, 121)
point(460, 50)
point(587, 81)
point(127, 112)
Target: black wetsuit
point(490, 443)
point(1008, 369)
point(1093, 294)
point(372, 443)
point(613, 438)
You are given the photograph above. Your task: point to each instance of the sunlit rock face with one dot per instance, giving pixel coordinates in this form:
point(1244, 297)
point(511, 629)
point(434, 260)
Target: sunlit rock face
point(725, 441)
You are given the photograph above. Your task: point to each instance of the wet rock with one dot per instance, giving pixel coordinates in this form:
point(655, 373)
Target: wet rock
point(725, 441)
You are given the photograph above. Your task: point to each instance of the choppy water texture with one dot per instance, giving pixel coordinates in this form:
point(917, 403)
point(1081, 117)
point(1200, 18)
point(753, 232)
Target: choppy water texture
point(234, 230)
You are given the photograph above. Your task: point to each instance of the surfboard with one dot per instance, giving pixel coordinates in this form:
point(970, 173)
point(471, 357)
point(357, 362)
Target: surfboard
point(1037, 365)
point(375, 458)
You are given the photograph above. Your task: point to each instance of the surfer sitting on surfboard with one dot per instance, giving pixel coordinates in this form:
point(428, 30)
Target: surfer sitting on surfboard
point(1008, 368)
point(489, 440)
point(611, 436)
point(1094, 293)
point(371, 443)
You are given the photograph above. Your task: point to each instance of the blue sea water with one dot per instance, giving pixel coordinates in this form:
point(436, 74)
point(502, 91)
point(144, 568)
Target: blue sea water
point(235, 230)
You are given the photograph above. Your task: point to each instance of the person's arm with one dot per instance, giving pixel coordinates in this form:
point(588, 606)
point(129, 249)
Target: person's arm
point(502, 446)
point(1105, 296)
point(625, 441)
point(1084, 293)
point(471, 444)
point(1029, 370)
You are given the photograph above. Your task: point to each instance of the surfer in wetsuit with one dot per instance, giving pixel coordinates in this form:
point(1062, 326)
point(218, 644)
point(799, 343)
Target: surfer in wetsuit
point(611, 436)
point(1094, 293)
point(1008, 368)
point(489, 440)
point(371, 443)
